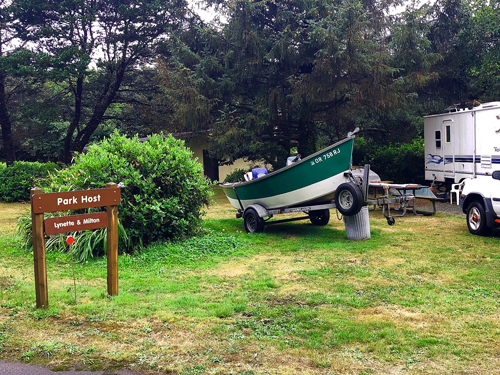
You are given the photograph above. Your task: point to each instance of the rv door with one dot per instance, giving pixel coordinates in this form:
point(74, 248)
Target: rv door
point(448, 148)
point(434, 162)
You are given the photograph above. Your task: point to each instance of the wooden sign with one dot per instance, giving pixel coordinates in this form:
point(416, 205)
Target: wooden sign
point(73, 200)
point(63, 224)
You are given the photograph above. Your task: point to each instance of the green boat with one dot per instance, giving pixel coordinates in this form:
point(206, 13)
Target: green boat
point(312, 181)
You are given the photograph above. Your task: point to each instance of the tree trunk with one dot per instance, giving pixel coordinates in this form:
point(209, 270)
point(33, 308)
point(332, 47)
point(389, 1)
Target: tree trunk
point(8, 143)
point(107, 98)
point(75, 122)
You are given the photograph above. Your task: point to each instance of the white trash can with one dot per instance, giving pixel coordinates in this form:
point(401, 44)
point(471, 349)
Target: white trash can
point(357, 226)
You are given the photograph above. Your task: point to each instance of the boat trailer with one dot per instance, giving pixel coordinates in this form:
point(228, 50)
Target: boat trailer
point(401, 196)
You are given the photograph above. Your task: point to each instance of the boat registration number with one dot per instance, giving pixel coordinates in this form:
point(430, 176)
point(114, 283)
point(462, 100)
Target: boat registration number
point(326, 156)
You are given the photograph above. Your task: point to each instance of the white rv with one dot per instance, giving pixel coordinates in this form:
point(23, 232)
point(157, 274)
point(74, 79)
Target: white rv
point(462, 144)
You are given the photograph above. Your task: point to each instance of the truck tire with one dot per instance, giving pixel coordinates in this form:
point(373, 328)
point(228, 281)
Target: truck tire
point(476, 219)
point(253, 222)
point(348, 199)
point(319, 217)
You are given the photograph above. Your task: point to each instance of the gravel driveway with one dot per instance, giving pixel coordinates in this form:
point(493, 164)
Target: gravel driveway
point(447, 207)
point(17, 368)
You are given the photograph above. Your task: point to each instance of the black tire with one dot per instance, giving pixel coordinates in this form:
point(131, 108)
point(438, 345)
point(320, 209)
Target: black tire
point(253, 222)
point(476, 219)
point(348, 199)
point(319, 217)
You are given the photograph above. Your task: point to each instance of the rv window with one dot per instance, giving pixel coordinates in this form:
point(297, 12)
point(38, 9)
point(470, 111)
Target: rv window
point(448, 133)
point(438, 138)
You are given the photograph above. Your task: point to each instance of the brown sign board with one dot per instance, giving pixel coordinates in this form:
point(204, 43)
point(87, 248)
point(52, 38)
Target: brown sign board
point(72, 200)
point(63, 224)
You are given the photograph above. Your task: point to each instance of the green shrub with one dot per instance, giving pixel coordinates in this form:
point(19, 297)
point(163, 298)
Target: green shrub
point(18, 179)
point(402, 163)
point(164, 189)
point(362, 151)
point(238, 175)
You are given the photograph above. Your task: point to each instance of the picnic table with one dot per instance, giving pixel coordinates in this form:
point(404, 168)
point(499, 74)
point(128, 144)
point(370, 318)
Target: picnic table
point(403, 196)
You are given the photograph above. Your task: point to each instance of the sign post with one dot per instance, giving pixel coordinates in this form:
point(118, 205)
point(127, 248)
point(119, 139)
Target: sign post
point(70, 241)
point(112, 245)
point(42, 296)
point(72, 200)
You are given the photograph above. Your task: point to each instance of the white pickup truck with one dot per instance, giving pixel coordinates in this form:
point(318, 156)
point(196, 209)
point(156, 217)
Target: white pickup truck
point(480, 201)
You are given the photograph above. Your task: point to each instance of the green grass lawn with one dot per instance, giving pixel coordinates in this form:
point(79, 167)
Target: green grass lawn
point(420, 297)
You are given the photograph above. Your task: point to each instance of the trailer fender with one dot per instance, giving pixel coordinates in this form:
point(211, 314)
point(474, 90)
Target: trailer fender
point(261, 211)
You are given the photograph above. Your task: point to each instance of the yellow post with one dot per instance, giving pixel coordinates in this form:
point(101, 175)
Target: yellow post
point(112, 245)
point(41, 290)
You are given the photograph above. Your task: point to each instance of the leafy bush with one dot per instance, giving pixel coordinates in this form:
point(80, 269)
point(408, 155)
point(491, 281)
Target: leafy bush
point(164, 189)
point(18, 179)
point(402, 163)
point(362, 151)
point(237, 175)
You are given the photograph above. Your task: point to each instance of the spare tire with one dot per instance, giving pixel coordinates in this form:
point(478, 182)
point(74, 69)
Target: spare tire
point(348, 199)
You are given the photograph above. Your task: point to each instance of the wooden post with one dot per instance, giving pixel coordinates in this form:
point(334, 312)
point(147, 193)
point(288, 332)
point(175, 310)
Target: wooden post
point(41, 290)
point(112, 245)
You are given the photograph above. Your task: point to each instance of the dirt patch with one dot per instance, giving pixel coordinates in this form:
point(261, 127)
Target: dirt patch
point(10, 214)
point(7, 282)
point(230, 270)
point(393, 261)
point(399, 315)
point(280, 267)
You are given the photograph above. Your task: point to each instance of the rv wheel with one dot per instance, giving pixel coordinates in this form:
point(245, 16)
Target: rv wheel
point(319, 217)
point(253, 222)
point(348, 199)
point(476, 219)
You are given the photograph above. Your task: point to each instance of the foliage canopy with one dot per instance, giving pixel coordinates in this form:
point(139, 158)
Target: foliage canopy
point(275, 75)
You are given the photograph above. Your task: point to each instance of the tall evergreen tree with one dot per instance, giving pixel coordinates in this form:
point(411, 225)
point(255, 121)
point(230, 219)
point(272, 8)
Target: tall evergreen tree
point(112, 37)
point(297, 73)
point(7, 36)
point(486, 68)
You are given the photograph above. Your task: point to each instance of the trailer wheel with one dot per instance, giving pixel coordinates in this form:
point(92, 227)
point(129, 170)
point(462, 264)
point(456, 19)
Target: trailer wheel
point(476, 219)
point(319, 217)
point(348, 199)
point(253, 222)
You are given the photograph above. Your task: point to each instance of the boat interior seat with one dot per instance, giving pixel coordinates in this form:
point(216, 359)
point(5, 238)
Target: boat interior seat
point(292, 159)
point(258, 172)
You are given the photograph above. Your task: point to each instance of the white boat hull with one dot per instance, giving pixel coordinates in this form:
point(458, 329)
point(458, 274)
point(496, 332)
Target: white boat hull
point(320, 192)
